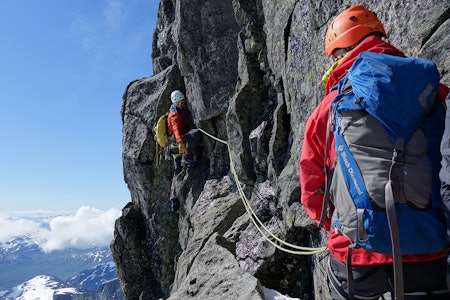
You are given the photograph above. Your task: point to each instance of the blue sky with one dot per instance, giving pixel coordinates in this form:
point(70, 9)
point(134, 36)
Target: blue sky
point(64, 67)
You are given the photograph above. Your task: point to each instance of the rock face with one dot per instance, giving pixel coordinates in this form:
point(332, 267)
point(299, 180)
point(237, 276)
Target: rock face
point(251, 72)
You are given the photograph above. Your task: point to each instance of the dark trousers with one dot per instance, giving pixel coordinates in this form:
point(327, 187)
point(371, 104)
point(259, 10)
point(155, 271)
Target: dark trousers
point(422, 280)
point(192, 138)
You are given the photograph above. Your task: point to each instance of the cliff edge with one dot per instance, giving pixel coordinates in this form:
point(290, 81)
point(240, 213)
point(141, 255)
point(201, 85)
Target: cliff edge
point(251, 72)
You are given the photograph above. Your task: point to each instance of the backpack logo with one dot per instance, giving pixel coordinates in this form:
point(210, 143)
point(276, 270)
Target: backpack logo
point(387, 128)
point(344, 157)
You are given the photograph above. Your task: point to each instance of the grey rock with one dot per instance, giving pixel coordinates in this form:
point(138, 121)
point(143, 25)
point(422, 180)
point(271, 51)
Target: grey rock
point(251, 72)
point(215, 274)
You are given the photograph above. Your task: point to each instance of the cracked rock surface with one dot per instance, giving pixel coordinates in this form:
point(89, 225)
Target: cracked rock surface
point(251, 71)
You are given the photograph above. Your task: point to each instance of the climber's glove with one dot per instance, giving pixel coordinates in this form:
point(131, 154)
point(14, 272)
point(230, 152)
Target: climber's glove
point(182, 148)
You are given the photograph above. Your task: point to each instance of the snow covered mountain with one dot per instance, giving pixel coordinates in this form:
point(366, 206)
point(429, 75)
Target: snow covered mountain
point(40, 287)
point(92, 279)
point(97, 283)
point(77, 274)
point(25, 260)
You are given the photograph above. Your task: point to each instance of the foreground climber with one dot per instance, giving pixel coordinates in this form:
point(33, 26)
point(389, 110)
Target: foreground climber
point(353, 271)
point(183, 142)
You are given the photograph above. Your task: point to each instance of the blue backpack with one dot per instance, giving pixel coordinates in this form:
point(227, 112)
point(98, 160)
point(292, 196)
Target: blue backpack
point(387, 126)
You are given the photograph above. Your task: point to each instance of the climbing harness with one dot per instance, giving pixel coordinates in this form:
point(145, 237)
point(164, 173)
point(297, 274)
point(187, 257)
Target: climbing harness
point(298, 250)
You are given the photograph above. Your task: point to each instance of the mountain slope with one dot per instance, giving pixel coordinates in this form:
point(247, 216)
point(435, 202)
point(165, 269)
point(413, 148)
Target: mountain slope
point(40, 287)
point(24, 256)
point(97, 283)
point(92, 279)
point(251, 72)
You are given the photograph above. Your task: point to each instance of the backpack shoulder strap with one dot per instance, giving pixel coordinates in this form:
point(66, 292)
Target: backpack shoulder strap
point(344, 88)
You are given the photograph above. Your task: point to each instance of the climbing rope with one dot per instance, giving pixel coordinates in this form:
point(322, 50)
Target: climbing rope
point(256, 221)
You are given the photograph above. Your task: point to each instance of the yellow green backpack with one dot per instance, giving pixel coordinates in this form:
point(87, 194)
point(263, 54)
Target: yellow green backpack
point(161, 135)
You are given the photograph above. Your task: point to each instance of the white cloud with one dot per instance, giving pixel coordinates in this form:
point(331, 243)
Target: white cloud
point(114, 35)
point(103, 28)
point(13, 227)
point(84, 32)
point(86, 228)
point(113, 14)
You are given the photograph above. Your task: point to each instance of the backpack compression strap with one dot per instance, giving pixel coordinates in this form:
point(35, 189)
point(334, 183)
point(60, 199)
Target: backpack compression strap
point(392, 221)
point(326, 210)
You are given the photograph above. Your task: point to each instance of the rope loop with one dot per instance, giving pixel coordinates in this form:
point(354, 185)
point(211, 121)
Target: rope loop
point(269, 237)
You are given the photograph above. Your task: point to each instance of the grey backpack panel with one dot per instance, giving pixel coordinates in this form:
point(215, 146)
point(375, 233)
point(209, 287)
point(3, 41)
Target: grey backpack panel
point(373, 152)
point(345, 212)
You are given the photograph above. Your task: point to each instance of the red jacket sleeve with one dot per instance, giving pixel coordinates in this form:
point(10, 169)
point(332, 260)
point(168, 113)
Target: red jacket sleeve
point(313, 157)
point(443, 91)
point(176, 125)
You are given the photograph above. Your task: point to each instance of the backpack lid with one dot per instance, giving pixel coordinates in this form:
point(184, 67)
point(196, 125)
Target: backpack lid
point(398, 91)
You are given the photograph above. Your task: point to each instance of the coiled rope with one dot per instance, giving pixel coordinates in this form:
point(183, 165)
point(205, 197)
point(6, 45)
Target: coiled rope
point(299, 250)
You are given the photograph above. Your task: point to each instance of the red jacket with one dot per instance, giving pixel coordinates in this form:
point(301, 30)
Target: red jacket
point(176, 124)
point(312, 177)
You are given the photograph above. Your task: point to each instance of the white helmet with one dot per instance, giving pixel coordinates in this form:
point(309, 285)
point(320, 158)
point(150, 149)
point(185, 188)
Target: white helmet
point(176, 96)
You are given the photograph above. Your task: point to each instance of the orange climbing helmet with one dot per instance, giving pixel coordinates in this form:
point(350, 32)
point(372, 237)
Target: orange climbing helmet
point(350, 27)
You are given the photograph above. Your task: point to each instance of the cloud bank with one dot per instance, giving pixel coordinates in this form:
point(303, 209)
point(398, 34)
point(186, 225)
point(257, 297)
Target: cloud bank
point(86, 228)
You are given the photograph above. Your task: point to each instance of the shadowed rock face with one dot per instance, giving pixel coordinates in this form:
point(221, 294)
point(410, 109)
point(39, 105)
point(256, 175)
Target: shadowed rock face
point(251, 72)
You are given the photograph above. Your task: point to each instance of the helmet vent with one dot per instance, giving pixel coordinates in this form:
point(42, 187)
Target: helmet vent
point(353, 19)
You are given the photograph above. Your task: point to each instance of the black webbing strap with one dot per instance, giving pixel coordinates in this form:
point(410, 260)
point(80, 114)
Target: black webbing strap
point(392, 221)
point(350, 281)
point(326, 197)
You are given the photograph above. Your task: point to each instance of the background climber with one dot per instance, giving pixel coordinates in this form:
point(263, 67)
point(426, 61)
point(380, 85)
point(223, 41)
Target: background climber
point(183, 141)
